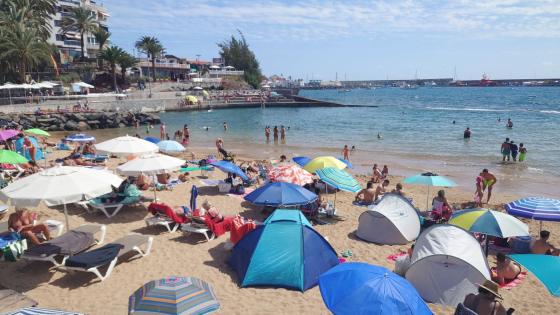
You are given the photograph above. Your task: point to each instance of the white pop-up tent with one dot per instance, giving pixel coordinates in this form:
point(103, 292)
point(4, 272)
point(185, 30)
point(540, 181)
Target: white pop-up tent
point(394, 220)
point(446, 265)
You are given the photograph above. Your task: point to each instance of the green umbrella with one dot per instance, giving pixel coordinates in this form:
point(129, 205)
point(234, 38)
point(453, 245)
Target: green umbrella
point(11, 157)
point(38, 132)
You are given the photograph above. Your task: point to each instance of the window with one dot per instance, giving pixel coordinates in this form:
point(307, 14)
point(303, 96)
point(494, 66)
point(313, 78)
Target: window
point(59, 37)
point(58, 23)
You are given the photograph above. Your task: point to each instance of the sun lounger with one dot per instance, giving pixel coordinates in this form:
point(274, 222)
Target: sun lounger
point(109, 254)
point(55, 227)
point(164, 216)
point(112, 209)
point(66, 245)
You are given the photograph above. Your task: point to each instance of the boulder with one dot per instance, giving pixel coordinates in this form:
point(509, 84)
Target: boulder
point(82, 126)
point(71, 125)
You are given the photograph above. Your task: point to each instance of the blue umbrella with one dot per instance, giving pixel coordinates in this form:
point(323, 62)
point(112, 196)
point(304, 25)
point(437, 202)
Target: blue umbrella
point(229, 167)
point(545, 267)
point(536, 208)
point(348, 164)
point(153, 140)
point(358, 288)
point(80, 137)
point(281, 194)
point(170, 146)
point(194, 194)
point(301, 160)
point(429, 179)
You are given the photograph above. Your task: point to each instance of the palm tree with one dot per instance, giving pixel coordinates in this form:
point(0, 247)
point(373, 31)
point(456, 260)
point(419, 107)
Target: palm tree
point(126, 61)
point(80, 20)
point(101, 37)
point(153, 48)
point(34, 13)
point(112, 55)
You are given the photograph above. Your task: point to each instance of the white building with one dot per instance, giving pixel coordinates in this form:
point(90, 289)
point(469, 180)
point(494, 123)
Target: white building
point(69, 43)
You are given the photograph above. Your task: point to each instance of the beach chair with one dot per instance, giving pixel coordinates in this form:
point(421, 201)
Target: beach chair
point(112, 209)
point(66, 245)
point(93, 260)
point(164, 216)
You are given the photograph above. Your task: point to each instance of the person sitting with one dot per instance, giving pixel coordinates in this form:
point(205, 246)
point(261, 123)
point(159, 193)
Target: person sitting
point(62, 145)
point(398, 190)
point(380, 190)
point(366, 196)
point(89, 149)
point(23, 222)
point(403, 262)
point(209, 210)
point(143, 182)
point(543, 247)
point(506, 269)
point(163, 179)
point(440, 207)
point(485, 302)
point(30, 168)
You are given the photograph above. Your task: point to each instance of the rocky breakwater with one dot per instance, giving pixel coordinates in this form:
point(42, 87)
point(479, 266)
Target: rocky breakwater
point(78, 121)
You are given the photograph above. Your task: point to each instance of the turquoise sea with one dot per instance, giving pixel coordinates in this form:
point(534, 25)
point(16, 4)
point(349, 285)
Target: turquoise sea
point(416, 127)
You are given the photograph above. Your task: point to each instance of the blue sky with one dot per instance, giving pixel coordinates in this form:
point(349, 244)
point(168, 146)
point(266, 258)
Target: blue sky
point(358, 39)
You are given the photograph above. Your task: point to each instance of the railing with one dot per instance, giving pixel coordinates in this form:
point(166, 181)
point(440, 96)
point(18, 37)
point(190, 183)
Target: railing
point(206, 80)
point(164, 65)
point(226, 72)
point(77, 2)
point(72, 43)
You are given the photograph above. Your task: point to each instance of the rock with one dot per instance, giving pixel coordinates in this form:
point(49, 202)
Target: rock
point(82, 126)
point(71, 125)
point(94, 116)
point(121, 125)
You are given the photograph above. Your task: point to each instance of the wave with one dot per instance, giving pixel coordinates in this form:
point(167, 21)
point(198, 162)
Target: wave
point(550, 111)
point(469, 109)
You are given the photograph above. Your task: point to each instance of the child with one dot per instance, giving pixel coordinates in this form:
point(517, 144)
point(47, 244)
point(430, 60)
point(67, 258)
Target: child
point(522, 152)
point(346, 153)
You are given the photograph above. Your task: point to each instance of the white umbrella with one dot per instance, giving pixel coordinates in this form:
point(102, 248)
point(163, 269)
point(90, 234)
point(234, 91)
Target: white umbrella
point(125, 146)
point(83, 85)
point(197, 88)
point(214, 67)
point(59, 185)
point(152, 164)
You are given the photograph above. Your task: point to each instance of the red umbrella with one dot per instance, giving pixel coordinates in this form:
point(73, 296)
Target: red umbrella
point(290, 174)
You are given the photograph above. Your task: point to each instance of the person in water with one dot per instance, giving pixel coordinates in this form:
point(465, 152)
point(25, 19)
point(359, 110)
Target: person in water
point(267, 133)
point(509, 123)
point(275, 132)
point(506, 150)
point(467, 133)
point(514, 150)
point(488, 181)
point(225, 126)
point(522, 152)
point(282, 132)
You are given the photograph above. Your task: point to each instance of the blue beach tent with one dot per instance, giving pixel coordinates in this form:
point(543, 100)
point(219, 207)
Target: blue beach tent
point(284, 252)
point(20, 149)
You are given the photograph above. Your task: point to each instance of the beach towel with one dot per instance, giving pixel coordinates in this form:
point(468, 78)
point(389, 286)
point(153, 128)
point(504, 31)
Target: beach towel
point(161, 208)
point(394, 257)
point(239, 228)
point(95, 258)
point(209, 182)
point(511, 283)
point(69, 243)
point(247, 191)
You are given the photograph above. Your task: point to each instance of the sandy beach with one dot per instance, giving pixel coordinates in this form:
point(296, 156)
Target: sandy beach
point(190, 255)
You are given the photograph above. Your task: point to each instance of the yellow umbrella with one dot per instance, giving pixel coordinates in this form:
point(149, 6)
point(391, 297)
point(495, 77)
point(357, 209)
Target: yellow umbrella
point(205, 93)
point(191, 99)
point(322, 162)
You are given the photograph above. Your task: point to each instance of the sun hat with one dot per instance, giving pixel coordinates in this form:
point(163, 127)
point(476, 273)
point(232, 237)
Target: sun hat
point(491, 287)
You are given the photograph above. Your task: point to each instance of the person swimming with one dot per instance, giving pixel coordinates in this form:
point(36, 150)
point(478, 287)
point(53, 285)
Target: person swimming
point(379, 136)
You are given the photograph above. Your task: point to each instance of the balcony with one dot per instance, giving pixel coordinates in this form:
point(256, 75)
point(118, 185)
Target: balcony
point(226, 72)
point(72, 43)
point(164, 65)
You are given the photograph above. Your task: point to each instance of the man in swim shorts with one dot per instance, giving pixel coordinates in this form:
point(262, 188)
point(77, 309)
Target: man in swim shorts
point(488, 181)
point(506, 151)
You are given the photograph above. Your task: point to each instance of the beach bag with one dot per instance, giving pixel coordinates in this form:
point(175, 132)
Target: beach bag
point(14, 251)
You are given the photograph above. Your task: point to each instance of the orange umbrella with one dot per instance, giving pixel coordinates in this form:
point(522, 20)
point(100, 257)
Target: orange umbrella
point(290, 174)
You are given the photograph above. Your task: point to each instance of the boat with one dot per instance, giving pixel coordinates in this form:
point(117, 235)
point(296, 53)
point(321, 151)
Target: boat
point(408, 86)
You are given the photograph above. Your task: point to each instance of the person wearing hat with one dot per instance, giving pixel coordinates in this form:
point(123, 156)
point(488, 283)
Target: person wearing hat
point(486, 301)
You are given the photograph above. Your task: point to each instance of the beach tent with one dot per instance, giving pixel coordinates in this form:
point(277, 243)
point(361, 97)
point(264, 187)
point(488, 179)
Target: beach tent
point(392, 221)
point(446, 264)
point(21, 150)
point(284, 252)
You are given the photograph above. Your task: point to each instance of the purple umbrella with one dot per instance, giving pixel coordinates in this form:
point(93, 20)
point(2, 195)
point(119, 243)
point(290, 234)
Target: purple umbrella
point(8, 133)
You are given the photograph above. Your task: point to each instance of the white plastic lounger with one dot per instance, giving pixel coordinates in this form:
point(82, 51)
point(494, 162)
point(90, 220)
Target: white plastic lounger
point(164, 221)
point(86, 228)
point(112, 209)
point(93, 260)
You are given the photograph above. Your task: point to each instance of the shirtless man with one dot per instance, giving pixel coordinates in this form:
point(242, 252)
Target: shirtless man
point(162, 131)
point(346, 153)
point(267, 133)
point(488, 181)
point(366, 196)
point(376, 174)
point(380, 190)
point(506, 269)
point(23, 222)
point(543, 247)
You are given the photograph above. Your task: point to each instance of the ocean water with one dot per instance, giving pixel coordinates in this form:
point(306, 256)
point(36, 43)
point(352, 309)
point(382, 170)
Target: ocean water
point(416, 128)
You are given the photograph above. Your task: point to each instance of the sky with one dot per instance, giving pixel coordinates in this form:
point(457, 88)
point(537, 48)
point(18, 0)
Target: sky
point(357, 39)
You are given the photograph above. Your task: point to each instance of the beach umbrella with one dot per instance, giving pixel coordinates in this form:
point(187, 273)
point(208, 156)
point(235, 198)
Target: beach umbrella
point(41, 311)
point(280, 194)
point(431, 180)
point(170, 146)
point(546, 268)
point(153, 140)
point(191, 98)
point(301, 160)
point(174, 295)
point(229, 167)
point(8, 134)
point(489, 222)
point(348, 164)
point(322, 162)
point(127, 145)
point(197, 88)
point(290, 174)
point(80, 137)
point(339, 179)
point(11, 157)
point(60, 185)
point(356, 288)
point(536, 208)
point(38, 132)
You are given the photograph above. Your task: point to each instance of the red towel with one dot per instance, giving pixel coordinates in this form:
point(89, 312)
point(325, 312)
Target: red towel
point(393, 257)
point(239, 228)
point(163, 209)
point(511, 283)
point(218, 228)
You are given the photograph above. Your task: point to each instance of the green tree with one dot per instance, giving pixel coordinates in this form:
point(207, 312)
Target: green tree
point(82, 21)
point(102, 38)
point(33, 13)
point(126, 61)
point(153, 49)
point(112, 55)
point(236, 53)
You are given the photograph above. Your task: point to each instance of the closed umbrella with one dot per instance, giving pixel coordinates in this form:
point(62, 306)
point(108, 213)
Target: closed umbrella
point(356, 288)
point(290, 174)
point(174, 296)
point(38, 132)
point(229, 167)
point(194, 195)
point(546, 268)
point(322, 162)
point(59, 185)
point(536, 208)
point(11, 157)
point(280, 194)
point(489, 222)
point(429, 179)
point(127, 145)
point(8, 134)
point(170, 146)
point(80, 137)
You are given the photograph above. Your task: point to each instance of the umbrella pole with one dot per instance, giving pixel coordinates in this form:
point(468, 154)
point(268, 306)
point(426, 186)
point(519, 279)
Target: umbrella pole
point(540, 226)
point(487, 244)
point(66, 218)
point(428, 199)
point(155, 187)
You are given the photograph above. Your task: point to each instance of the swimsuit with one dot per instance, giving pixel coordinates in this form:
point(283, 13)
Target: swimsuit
point(487, 182)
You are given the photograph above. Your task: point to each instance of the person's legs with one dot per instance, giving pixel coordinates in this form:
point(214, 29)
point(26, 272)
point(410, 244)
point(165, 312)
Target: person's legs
point(489, 194)
point(30, 236)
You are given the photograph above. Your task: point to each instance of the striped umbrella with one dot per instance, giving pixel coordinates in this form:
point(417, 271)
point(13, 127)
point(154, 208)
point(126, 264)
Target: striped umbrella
point(489, 222)
point(40, 311)
point(290, 174)
point(174, 295)
point(536, 208)
point(80, 137)
point(339, 179)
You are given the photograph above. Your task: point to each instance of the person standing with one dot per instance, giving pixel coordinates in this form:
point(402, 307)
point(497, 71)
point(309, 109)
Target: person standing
point(162, 131)
point(467, 133)
point(267, 133)
point(506, 151)
point(514, 149)
point(186, 134)
point(283, 133)
point(522, 152)
point(225, 126)
point(275, 133)
point(346, 153)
